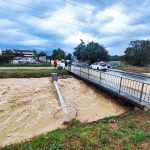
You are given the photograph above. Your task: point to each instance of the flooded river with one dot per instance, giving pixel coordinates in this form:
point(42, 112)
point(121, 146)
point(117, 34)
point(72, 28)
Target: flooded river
point(27, 106)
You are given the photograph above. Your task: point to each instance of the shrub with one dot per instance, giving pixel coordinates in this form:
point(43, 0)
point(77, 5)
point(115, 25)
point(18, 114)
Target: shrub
point(138, 136)
point(105, 140)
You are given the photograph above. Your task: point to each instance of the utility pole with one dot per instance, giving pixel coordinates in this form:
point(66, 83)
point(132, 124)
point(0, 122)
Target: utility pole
point(50, 57)
point(46, 52)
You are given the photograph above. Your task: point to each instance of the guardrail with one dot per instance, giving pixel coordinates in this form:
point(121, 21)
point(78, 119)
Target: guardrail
point(134, 90)
point(131, 73)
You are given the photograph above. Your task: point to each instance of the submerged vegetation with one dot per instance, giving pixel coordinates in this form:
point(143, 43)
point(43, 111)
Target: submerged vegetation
point(125, 132)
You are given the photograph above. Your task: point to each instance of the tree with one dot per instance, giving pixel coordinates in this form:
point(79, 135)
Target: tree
point(96, 52)
point(116, 58)
point(138, 53)
point(7, 56)
point(80, 51)
point(41, 54)
point(91, 52)
point(58, 54)
point(69, 55)
point(8, 52)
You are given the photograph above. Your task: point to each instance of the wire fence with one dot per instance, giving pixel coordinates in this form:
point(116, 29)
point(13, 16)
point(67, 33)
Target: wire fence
point(136, 90)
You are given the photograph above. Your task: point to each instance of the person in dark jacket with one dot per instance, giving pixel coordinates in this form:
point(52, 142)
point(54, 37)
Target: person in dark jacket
point(69, 64)
point(66, 64)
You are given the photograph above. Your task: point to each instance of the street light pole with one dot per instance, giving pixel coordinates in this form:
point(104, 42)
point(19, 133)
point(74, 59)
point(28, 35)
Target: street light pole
point(46, 52)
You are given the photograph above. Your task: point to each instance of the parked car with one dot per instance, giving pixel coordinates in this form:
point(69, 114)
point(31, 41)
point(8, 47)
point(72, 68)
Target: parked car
point(99, 66)
point(27, 60)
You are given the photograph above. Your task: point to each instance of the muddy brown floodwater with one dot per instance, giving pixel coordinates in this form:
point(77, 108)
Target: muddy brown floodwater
point(27, 106)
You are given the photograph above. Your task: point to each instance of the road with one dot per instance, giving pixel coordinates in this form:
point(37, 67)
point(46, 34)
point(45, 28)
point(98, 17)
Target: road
point(139, 77)
point(135, 76)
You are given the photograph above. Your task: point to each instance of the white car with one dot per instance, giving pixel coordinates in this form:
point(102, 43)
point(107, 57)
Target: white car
point(27, 60)
point(99, 66)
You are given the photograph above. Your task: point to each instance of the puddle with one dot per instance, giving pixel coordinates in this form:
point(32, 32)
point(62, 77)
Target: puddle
point(27, 106)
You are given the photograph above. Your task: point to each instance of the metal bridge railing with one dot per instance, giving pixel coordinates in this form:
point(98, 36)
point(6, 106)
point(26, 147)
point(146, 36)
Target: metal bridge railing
point(135, 89)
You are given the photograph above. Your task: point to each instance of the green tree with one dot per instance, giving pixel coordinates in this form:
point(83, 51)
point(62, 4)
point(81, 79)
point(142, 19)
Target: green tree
point(96, 52)
point(58, 54)
point(116, 58)
point(80, 51)
point(7, 56)
point(8, 52)
point(91, 52)
point(41, 54)
point(69, 55)
point(138, 53)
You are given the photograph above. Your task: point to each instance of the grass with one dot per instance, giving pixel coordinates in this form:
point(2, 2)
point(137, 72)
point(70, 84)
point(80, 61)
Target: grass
point(27, 73)
point(138, 136)
point(131, 132)
point(134, 69)
point(27, 65)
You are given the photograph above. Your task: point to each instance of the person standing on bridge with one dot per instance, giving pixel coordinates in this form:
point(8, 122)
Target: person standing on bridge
point(69, 64)
point(66, 64)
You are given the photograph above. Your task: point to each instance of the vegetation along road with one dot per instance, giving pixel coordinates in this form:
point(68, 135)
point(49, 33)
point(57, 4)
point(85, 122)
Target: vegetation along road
point(36, 68)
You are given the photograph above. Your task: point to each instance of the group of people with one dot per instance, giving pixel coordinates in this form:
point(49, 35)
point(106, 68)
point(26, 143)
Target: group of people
point(66, 63)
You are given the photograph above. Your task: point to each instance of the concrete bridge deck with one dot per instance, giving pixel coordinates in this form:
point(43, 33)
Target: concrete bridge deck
point(130, 87)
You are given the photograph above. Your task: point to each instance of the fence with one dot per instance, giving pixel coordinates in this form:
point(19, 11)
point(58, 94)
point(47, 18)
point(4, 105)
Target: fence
point(135, 90)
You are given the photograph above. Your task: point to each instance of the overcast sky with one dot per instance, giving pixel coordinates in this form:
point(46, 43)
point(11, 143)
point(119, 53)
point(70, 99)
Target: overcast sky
point(57, 23)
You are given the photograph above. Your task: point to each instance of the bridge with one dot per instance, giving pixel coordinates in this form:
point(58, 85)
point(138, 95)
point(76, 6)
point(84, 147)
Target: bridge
point(133, 88)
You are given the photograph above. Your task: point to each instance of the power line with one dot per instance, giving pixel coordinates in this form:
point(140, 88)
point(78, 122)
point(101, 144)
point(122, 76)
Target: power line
point(70, 2)
point(72, 29)
point(6, 9)
point(133, 36)
point(82, 7)
point(99, 1)
point(93, 11)
point(16, 11)
point(20, 4)
point(27, 6)
point(139, 11)
point(37, 9)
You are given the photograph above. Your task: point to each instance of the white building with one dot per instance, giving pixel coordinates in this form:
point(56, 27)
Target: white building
point(25, 53)
point(21, 53)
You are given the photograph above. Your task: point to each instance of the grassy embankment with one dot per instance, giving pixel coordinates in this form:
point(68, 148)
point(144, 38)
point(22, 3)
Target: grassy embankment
point(27, 65)
point(27, 73)
point(135, 69)
point(130, 131)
